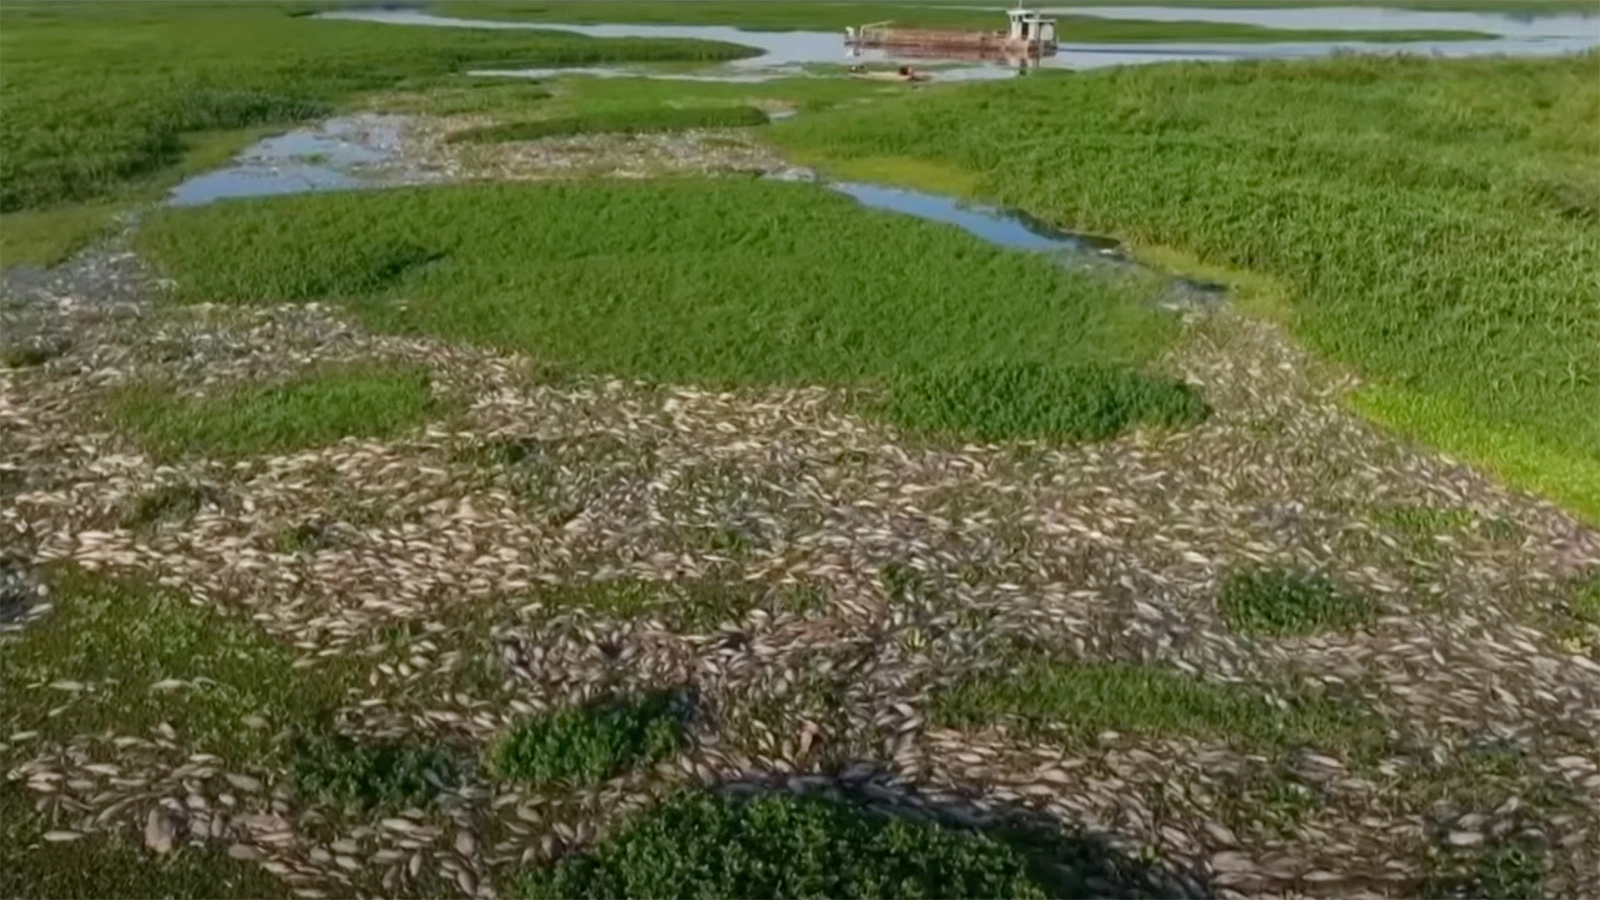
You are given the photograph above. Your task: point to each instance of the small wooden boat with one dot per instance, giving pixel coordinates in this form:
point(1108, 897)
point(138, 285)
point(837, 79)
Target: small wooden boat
point(905, 73)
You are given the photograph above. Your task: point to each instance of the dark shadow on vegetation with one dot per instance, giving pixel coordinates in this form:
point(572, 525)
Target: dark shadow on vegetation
point(846, 837)
point(371, 773)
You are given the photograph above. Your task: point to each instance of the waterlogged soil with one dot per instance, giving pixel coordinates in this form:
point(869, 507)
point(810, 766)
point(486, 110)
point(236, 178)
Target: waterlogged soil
point(1102, 552)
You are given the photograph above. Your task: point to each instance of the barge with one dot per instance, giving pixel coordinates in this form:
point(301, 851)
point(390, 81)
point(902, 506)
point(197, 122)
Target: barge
point(1031, 34)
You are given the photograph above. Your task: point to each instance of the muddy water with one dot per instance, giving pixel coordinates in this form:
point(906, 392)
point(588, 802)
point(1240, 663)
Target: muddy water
point(1517, 35)
point(339, 154)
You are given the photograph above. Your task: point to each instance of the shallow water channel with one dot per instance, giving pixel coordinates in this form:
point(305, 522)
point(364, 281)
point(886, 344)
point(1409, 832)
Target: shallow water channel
point(350, 153)
point(338, 154)
point(1514, 34)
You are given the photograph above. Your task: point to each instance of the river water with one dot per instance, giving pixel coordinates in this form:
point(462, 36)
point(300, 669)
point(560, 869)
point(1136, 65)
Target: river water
point(787, 50)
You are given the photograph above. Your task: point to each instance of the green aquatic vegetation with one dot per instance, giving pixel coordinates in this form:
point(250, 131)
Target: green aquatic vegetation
point(713, 281)
point(639, 121)
point(1075, 402)
point(104, 99)
point(586, 745)
point(1290, 602)
point(308, 410)
point(698, 845)
point(1404, 204)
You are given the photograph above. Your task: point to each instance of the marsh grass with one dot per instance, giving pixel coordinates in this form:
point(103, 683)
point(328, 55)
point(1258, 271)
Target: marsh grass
point(308, 410)
point(1075, 702)
point(49, 236)
point(583, 746)
point(1290, 602)
point(1070, 402)
point(638, 121)
point(86, 115)
point(697, 281)
point(1369, 188)
point(123, 657)
point(696, 845)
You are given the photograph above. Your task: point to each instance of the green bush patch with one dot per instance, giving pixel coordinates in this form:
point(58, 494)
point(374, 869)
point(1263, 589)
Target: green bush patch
point(1068, 402)
point(589, 744)
point(782, 846)
point(340, 769)
point(1077, 701)
point(1289, 602)
point(636, 121)
point(305, 411)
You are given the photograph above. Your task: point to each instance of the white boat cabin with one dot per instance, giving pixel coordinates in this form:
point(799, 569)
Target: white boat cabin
point(1031, 26)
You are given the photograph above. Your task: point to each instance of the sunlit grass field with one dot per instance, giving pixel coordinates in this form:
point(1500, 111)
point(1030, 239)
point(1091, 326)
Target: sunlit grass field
point(1435, 225)
point(106, 102)
point(729, 281)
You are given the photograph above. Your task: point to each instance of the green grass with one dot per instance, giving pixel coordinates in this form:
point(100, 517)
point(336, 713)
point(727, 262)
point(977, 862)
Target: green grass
point(638, 121)
point(104, 100)
point(1074, 702)
point(48, 237)
point(306, 411)
point(586, 745)
point(123, 658)
point(1434, 222)
point(1290, 602)
point(811, 16)
point(1074, 402)
point(782, 846)
point(363, 774)
point(714, 281)
point(1423, 522)
point(111, 866)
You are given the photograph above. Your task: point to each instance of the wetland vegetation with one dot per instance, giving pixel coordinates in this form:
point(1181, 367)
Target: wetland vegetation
point(738, 282)
point(1434, 223)
point(704, 534)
